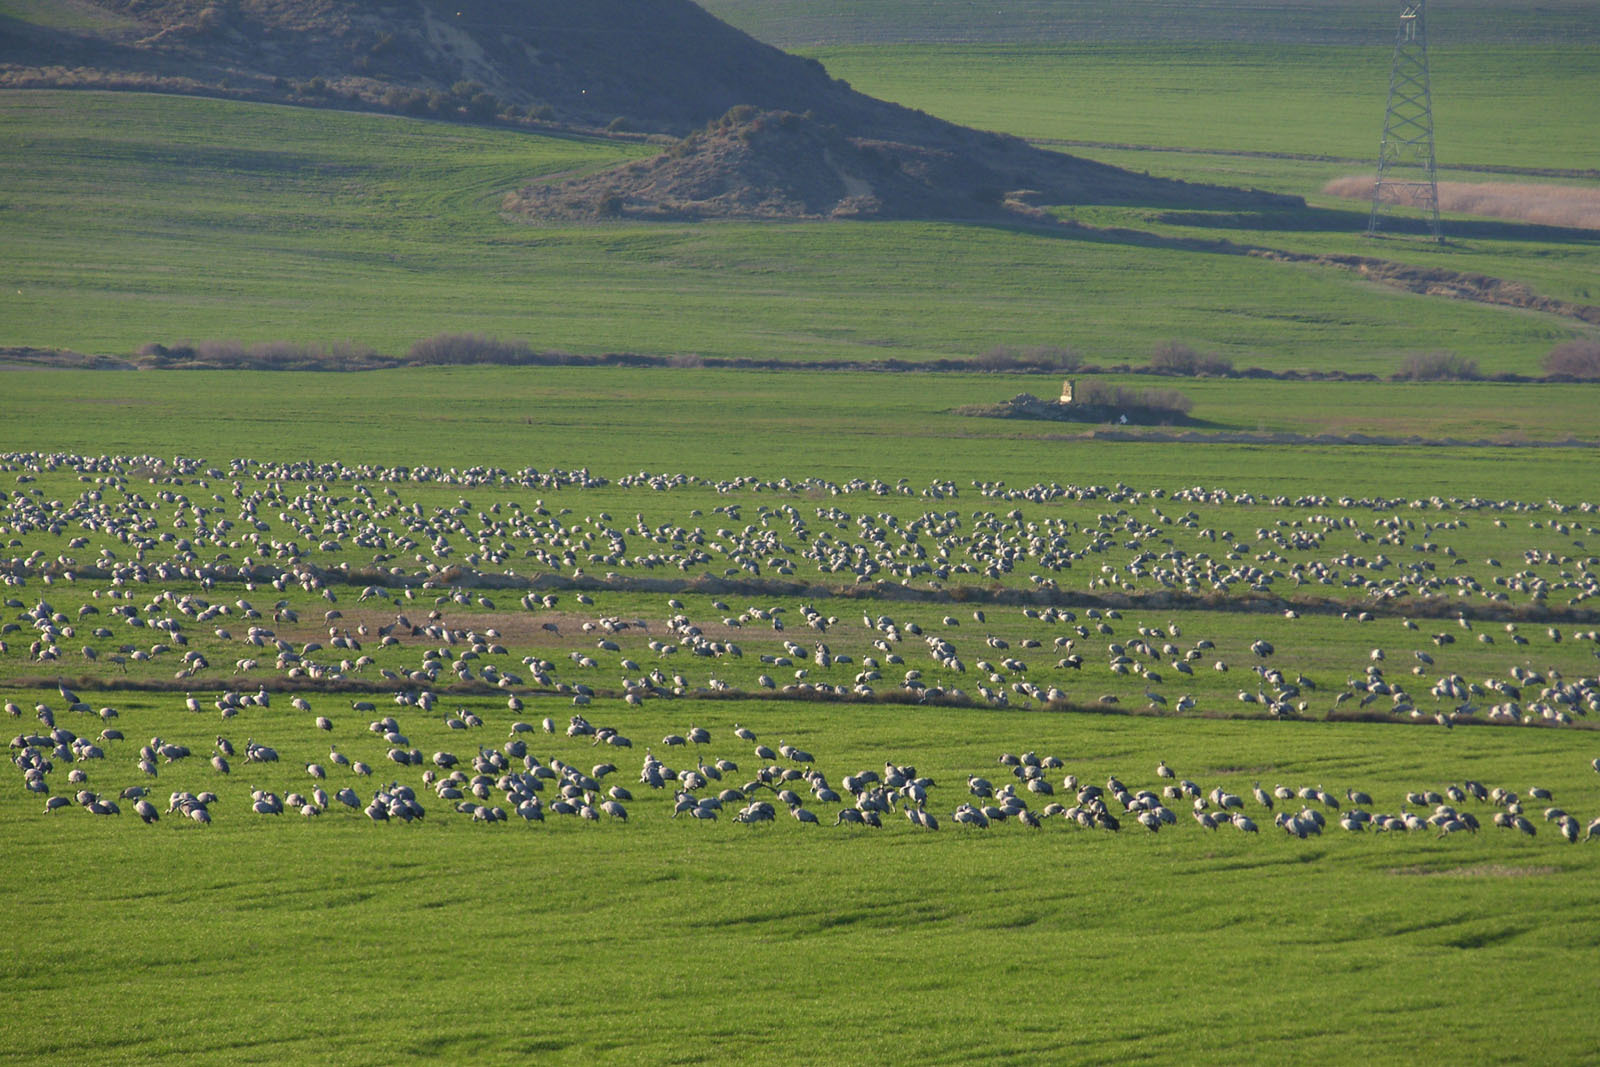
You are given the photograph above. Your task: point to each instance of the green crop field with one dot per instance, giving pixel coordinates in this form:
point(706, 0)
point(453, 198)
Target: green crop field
point(687, 928)
point(382, 231)
point(411, 665)
point(1492, 106)
point(838, 426)
point(781, 918)
point(1283, 117)
point(260, 938)
point(839, 22)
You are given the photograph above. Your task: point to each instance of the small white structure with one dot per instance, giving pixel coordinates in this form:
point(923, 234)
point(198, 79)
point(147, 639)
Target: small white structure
point(1066, 391)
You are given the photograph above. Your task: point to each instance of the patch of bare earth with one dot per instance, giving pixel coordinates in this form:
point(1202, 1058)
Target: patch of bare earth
point(1482, 870)
point(513, 627)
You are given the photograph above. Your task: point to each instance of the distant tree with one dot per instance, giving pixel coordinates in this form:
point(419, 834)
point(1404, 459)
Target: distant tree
point(1176, 357)
point(1440, 366)
point(465, 348)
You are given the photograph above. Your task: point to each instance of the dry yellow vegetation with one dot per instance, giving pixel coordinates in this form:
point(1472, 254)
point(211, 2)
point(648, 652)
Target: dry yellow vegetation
point(1575, 207)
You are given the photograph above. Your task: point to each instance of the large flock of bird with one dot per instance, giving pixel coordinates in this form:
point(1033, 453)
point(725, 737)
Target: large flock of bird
point(1052, 656)
point(499, 782)
point(156, 563)
point(206, 522)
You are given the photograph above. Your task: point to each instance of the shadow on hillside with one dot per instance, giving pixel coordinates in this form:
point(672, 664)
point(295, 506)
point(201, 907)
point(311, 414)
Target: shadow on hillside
point(1353, 220)
point(1372, 262)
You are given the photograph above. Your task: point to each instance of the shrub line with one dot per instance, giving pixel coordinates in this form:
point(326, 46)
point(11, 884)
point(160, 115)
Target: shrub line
point(451, 350)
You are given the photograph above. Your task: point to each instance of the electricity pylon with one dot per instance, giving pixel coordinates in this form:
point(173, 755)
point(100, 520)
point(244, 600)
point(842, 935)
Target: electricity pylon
point(1406, 171)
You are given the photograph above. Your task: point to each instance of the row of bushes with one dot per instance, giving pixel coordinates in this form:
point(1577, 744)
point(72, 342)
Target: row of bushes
point(267, 355)
point(1575, 360)
point(1169, 357)
point(453, 349)
point(1175, 357)
point(1033, 358)
point(1569, 360)
point(444, 349)
point(1437, 367)
point(1160, 402)
point(1097, 402)
point(467, 100)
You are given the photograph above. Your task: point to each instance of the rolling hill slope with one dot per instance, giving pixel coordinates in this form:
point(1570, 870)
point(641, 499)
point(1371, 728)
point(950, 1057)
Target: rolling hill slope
point(665, 67)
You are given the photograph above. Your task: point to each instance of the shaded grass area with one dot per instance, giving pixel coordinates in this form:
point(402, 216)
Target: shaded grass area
point(134, 219)
point(1544, 261)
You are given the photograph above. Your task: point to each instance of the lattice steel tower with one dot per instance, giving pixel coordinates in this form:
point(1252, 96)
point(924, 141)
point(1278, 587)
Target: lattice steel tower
point(1406, 172)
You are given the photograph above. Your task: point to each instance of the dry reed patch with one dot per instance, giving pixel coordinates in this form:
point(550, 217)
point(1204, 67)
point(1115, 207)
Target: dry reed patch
point(1571, 206)
point(527, 629)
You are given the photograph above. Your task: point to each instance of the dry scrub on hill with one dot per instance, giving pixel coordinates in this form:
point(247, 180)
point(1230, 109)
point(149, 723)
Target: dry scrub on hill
point(1578, 358)
point(1548, 205)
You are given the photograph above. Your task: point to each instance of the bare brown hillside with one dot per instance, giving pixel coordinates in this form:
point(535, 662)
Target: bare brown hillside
point(657, 65)
point(776, 164)
point(768, 134)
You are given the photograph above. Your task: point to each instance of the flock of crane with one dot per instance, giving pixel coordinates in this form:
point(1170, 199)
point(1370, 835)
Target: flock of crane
point(291, 529)
point(680, 657)
point(208, 523)
point(501, 782)
point(160, 566)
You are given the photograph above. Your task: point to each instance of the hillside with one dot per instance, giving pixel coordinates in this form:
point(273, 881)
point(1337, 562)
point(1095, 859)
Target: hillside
point(779, 165)
point(663, 67)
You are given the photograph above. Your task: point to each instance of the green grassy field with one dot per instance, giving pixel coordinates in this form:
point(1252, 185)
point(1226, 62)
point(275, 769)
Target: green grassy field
point(1492, 106)
point(784, 919)
point(840, 22)
point(176, 923)
point(383, 231)
point(1143, 541)
point(1501, 108)
point(269, 938)
point(723, 943)
point(831, 425)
